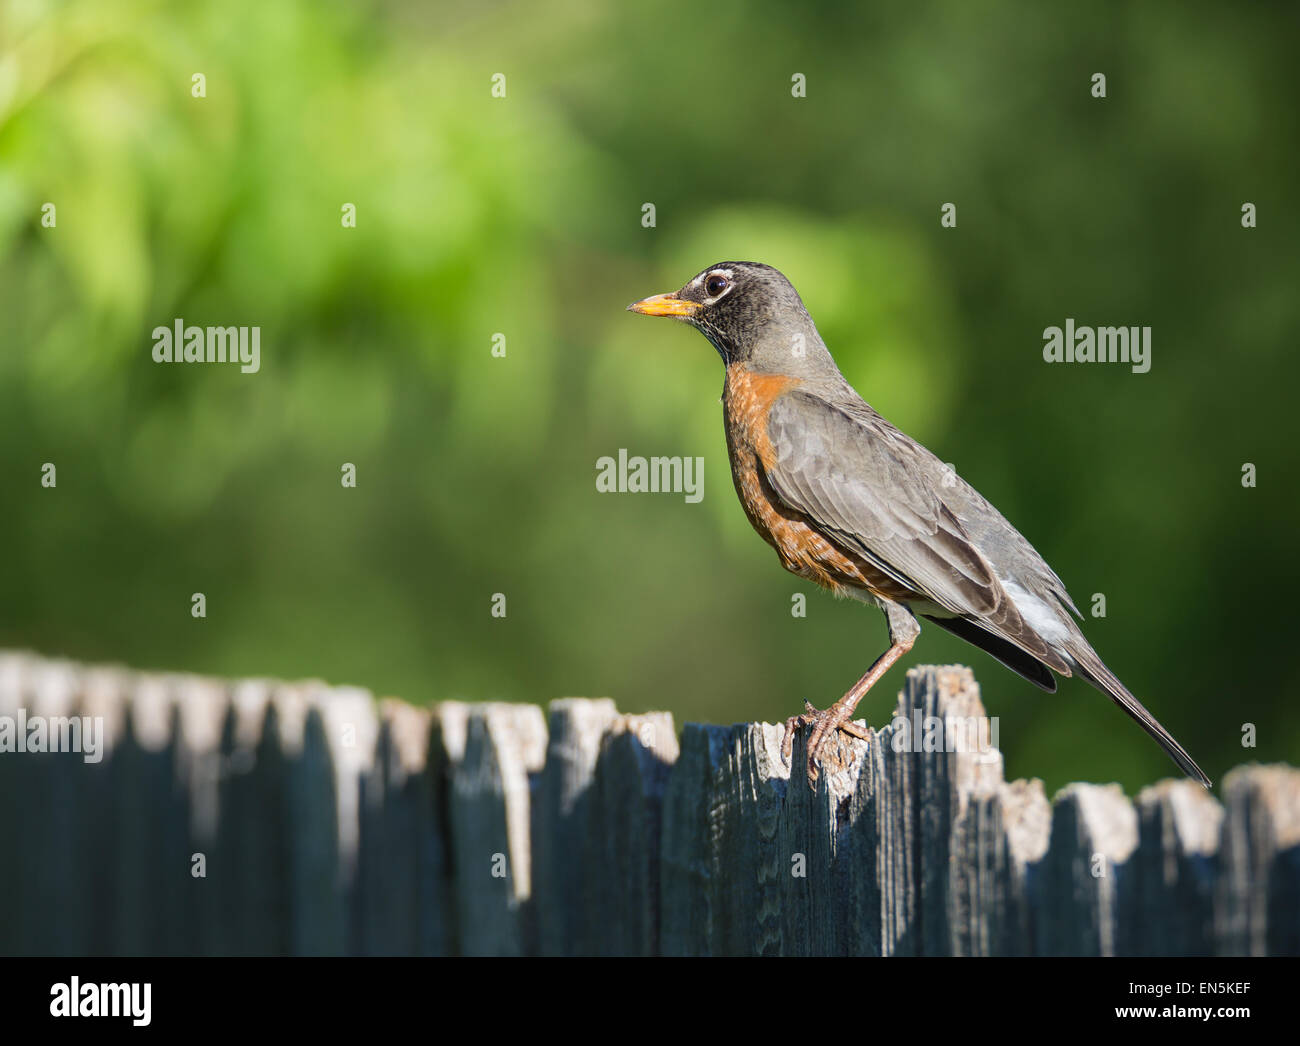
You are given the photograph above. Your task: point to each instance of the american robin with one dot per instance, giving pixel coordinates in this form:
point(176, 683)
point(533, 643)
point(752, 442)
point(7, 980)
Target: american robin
point(850, 502)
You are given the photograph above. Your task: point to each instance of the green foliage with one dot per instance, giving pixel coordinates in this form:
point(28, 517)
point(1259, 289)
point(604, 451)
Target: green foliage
point(522, 215)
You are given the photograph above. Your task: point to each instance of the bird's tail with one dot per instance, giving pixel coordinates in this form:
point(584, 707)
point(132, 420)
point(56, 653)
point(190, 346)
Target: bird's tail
point(1092, 669)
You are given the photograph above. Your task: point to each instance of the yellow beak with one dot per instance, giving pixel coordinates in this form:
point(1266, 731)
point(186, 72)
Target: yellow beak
point(664, 305)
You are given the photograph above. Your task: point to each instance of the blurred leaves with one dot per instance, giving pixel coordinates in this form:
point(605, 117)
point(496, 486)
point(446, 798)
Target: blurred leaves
point(521, 216)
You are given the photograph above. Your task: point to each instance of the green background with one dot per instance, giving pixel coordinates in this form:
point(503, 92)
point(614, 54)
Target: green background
point(522, 215)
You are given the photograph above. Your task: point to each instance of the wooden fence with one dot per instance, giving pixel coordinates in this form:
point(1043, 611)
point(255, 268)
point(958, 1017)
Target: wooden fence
point(257, 817)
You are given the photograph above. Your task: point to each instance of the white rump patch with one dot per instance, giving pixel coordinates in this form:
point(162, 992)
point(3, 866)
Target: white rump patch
point(1039, 614)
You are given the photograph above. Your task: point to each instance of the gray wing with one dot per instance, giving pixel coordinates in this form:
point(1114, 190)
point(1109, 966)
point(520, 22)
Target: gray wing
point(881, 495)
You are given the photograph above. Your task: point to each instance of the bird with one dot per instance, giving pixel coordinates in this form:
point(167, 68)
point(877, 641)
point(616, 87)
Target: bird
point(852, 503)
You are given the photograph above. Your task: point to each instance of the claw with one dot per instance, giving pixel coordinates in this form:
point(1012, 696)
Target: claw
point(787, 740)
point(824, 724)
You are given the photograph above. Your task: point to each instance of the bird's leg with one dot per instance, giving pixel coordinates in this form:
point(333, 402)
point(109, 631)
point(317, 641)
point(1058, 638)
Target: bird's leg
point(840, 714)
point(903, 631)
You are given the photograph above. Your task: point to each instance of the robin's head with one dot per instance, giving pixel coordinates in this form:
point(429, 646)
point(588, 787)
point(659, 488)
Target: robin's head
point(750, 313)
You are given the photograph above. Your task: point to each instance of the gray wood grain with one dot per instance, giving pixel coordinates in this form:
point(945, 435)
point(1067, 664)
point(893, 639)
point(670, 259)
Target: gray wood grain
point(823, 826)
point(1000, 840)
point(690, 883)
point(334, 824)
point(1258, 897)
point(327, 736)
point(622, 842)
point(963, 766)
point(1167, 901)
point(883, 848)
point(396, 822)
point(562, 878)
point(1078, 881)
point(490, 819)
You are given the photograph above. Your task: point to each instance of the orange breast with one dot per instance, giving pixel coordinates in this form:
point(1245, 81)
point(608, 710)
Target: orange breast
point(747, 399)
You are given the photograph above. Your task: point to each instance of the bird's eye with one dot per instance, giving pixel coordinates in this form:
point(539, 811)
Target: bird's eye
point(715, 284)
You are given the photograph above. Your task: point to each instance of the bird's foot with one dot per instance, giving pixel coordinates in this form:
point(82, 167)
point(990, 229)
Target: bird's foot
point(824, 724)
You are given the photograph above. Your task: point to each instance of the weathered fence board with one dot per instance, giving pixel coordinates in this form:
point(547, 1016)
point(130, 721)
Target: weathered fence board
point(490, 812)
point(1094, 830)
point(561, 875)
point(396, 851)
point(1257, 905)
point(1003, 836)
point(258, 817)
point(1167, 906)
